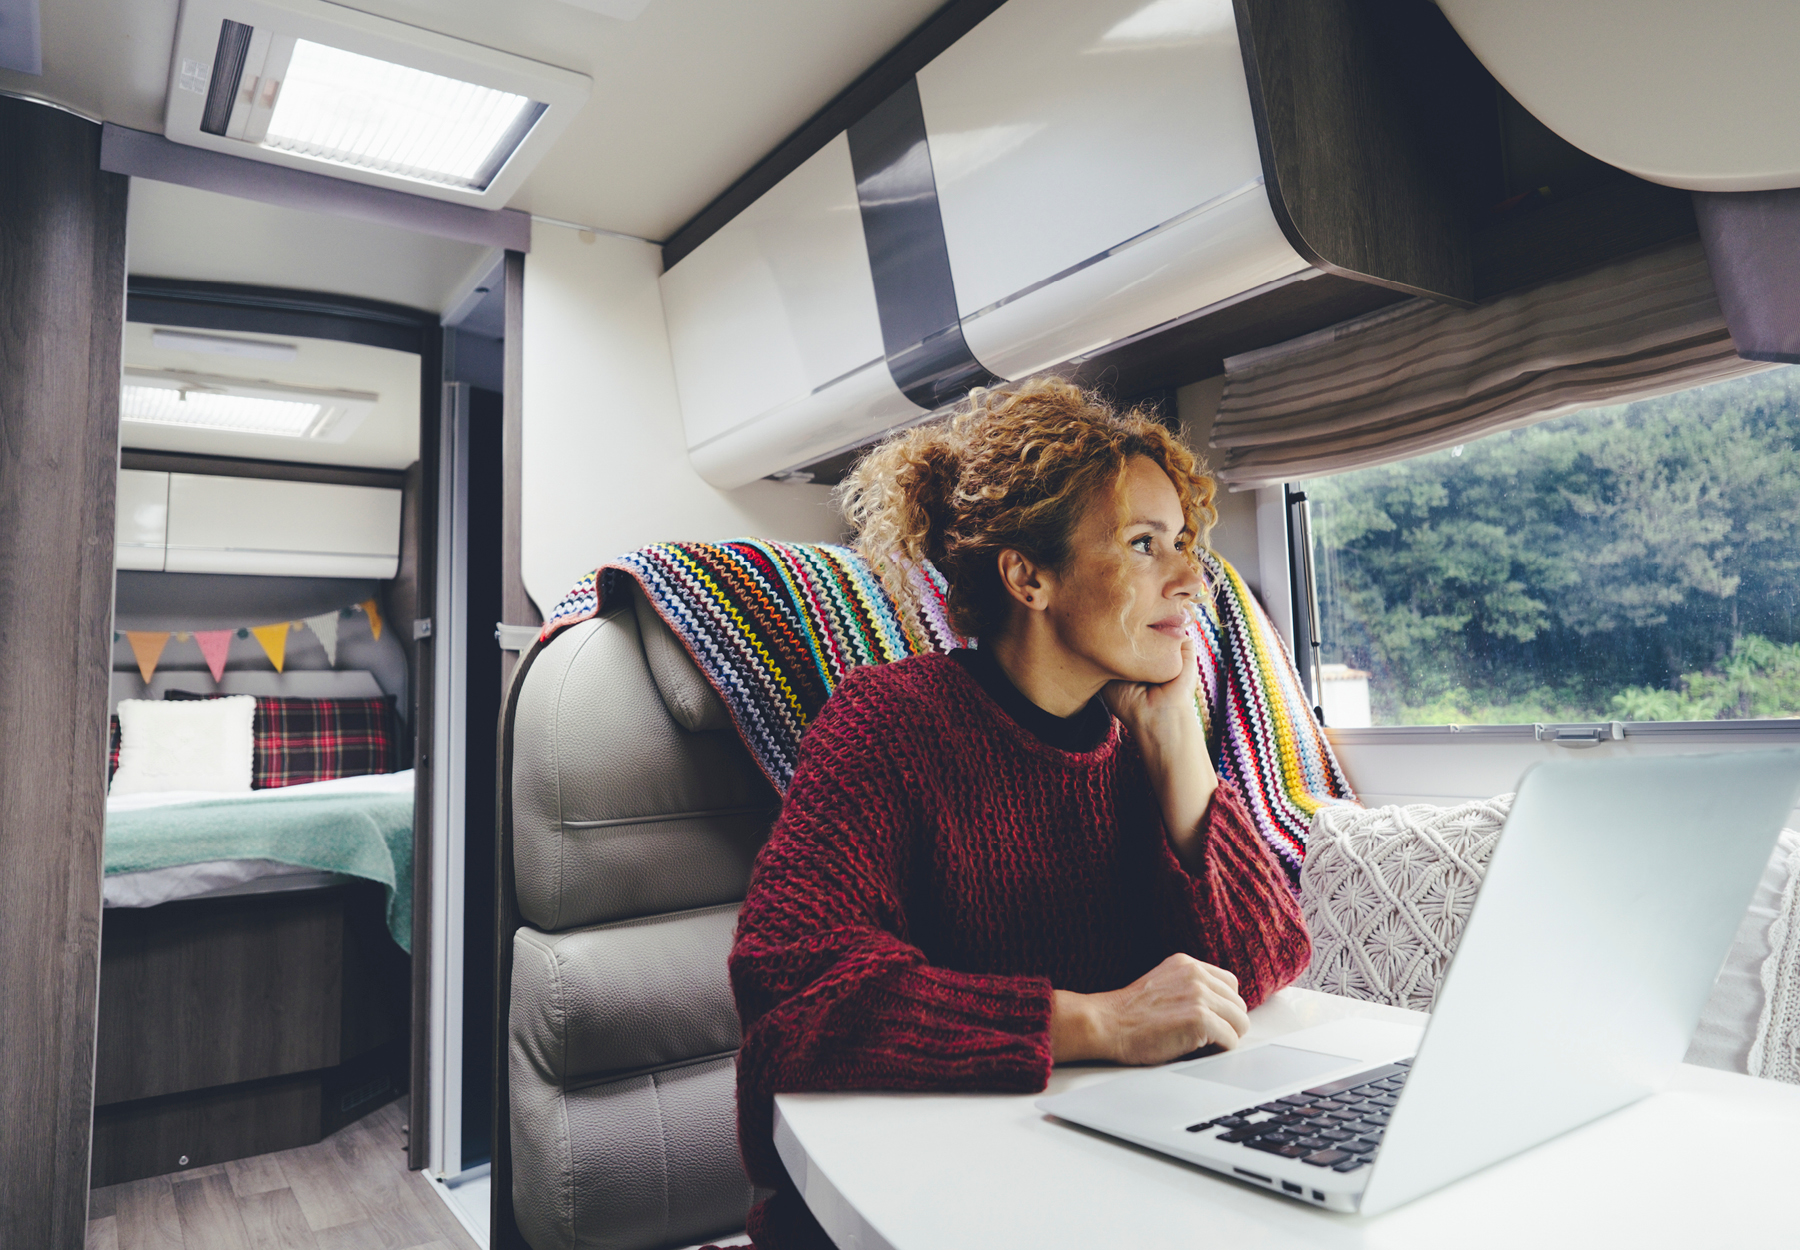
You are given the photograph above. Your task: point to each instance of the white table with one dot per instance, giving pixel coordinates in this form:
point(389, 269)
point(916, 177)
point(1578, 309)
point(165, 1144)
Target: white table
point(1713, 1161)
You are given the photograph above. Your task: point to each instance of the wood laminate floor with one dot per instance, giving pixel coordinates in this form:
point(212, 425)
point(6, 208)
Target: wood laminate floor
point(349, 1192)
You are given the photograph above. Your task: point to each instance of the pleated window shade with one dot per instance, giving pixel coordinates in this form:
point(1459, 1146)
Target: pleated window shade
point(1422, 376)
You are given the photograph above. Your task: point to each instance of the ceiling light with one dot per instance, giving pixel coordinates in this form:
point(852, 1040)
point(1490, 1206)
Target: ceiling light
point(199, 401)
point(311, 84)
point(221, 345)
point(346, 109)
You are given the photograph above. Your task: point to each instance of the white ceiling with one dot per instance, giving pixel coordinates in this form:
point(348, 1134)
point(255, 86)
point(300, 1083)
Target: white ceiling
point(388, 437)
point(687, 96)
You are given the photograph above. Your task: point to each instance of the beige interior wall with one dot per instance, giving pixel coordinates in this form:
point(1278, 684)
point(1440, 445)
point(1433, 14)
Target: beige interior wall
point(1234, 537)
point(605, 463)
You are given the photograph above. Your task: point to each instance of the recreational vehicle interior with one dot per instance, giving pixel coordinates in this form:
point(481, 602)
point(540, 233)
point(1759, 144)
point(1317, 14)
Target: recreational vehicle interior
point(421, 554)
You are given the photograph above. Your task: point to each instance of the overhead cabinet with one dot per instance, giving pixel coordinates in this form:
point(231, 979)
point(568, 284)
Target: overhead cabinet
point(199, 523)
point(1088, 169)
point(775, 331)
point(1066, 180)
point(142, 521)
point(1097, 174)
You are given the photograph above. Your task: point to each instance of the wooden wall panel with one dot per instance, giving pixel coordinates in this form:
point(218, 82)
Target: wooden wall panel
point(1352, 189)
point(219, 991)
point(62, 312)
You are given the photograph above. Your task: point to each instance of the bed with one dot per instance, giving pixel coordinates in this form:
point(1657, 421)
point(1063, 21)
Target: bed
point(254, 985)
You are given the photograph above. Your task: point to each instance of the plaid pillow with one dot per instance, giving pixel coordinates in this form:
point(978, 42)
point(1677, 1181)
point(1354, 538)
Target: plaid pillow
point(112, 758)
point(302, 740)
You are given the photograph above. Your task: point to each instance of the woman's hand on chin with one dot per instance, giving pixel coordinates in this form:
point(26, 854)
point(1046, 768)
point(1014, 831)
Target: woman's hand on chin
point(1167, 728)
point(1159, 712)
point(1176, 1008)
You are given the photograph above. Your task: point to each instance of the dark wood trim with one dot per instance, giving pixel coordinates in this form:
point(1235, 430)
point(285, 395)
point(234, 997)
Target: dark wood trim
point(916, 51)
point(1191, 350)
point(242, 1025)
point(503, 1228)
point(1599, 225)
point(515, 600)
point(1351, 188)
point(431, 415)
point(277, 310)
point(273, 470)
point(62, 283)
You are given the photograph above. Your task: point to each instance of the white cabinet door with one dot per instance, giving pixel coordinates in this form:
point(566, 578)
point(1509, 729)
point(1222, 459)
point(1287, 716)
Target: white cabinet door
point(142, 525)
point(1098, 174)
point(294, 529)
point(773, 330)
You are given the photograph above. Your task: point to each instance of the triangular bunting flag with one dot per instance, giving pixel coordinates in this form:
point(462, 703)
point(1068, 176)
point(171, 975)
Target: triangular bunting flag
point(274, 642)
point(373, 611)
point(215, 645)
point(324, 628)
point(148, 648)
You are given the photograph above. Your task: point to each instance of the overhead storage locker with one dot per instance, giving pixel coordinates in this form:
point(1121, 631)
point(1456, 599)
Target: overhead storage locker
point(142, 524)
point(774, 331)
point(1098, 174)
point(278, 528)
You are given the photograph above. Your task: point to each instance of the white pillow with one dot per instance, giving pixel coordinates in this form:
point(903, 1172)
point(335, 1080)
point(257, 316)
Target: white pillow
point(1728, 1024)
point(197, 744)
point(1386, 892)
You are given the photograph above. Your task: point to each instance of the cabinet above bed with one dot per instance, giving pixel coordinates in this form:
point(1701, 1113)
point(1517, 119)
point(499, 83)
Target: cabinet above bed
point(202, 523)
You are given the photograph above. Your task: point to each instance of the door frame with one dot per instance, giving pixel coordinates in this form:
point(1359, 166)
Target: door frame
point(372, 323)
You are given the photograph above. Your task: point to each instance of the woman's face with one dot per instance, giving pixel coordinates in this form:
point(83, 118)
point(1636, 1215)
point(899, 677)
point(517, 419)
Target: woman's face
point(1118, 604)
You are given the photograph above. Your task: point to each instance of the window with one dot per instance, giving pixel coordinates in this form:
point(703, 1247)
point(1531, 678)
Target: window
point(1632, 563)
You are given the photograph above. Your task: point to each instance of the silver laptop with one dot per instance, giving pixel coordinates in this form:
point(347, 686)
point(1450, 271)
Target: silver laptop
point(1609, 905)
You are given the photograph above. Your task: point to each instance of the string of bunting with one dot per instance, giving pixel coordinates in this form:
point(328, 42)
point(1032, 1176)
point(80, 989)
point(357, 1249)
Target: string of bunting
point(215, 644)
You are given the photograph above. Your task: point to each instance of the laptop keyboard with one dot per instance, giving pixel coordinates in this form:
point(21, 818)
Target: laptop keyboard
point(1337, 1125)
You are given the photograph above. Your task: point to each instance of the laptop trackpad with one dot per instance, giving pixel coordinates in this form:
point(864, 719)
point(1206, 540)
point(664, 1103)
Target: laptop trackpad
point(1262, 1067)
point(1305, 1054)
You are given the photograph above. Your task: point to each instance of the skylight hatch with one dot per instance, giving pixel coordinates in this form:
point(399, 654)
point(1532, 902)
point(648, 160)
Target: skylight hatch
point(203, 402)
point(316, 86)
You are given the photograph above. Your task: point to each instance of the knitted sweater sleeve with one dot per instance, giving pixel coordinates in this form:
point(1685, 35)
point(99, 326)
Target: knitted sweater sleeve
point(831, 993)
point(1236, 909)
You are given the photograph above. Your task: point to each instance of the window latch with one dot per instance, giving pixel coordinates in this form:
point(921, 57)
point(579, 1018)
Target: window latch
point(1579, 737)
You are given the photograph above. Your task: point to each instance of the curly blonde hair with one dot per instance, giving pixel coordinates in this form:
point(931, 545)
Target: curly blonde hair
point(1013, 467)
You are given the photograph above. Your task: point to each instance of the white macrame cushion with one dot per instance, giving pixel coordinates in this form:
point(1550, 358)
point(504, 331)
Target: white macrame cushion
point(1728, 1025)
point(1386, 892)
point(1775, 1051)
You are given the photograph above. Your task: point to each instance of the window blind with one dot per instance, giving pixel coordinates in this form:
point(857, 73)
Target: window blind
point(1422, 376)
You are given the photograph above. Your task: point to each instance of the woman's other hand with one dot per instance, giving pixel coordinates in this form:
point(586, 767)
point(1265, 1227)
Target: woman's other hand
point(1176, 1008)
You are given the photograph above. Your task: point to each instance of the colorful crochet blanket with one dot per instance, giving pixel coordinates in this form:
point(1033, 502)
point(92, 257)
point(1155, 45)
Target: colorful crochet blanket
point(776, 626)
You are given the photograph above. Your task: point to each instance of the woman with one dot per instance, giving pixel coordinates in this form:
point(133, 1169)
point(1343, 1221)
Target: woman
point(1018, 855)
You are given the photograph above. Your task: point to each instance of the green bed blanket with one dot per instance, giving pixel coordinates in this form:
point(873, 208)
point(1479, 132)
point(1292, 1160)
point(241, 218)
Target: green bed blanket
point(359, 834)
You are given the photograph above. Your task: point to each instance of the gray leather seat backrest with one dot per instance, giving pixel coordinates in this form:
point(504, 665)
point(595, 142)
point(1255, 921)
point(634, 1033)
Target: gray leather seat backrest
point(636, 814)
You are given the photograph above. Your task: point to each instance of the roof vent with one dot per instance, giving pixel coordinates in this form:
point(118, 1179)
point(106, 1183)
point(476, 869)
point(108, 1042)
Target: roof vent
point(313, 85)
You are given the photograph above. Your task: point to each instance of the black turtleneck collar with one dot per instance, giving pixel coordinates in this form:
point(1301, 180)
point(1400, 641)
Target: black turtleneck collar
point(1084, 731)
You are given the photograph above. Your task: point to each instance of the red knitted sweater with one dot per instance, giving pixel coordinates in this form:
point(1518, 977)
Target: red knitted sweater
point(935, 871)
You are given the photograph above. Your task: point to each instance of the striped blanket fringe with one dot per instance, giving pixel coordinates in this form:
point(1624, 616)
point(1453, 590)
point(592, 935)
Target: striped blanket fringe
point(775, 627)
